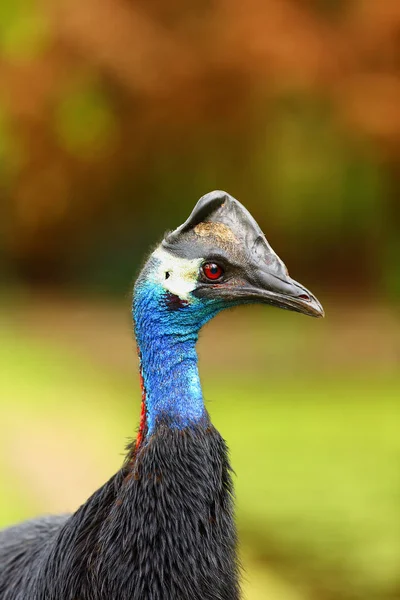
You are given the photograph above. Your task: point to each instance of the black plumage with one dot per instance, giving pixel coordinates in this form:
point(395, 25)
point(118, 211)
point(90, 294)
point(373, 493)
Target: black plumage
point(161, 528)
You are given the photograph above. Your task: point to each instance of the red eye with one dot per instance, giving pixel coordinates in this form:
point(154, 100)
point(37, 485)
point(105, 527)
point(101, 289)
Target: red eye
point(212, 271)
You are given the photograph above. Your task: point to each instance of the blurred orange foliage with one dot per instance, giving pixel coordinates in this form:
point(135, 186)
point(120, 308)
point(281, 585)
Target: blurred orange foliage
point(164, 69)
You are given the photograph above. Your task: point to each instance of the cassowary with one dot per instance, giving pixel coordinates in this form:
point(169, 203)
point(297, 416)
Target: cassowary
point(162, 528)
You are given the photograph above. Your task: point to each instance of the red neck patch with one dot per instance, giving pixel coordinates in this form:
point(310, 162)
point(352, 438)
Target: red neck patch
point(143, 416)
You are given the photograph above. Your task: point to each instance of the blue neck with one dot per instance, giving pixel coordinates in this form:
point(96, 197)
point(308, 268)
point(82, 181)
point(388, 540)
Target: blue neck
point(166, 334)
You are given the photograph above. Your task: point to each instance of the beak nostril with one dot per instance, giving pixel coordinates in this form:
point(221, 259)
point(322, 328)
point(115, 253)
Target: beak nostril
point(305, 297)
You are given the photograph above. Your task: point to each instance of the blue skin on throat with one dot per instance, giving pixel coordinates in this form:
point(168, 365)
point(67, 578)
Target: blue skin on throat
point(166, 336)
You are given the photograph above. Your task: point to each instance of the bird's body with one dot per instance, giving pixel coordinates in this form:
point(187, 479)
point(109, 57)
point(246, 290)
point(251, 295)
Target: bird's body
point(163, 528)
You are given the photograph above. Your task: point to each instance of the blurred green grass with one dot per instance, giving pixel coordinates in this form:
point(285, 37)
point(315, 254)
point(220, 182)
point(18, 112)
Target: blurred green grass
point(316, 462)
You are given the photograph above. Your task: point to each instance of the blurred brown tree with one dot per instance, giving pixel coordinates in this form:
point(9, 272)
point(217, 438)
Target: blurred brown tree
point(107, 106)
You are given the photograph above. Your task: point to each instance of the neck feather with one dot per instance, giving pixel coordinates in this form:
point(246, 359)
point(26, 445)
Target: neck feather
point(171, 390)
point(166, 333)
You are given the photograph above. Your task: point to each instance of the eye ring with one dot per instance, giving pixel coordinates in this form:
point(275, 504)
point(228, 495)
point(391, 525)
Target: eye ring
point(212, 271)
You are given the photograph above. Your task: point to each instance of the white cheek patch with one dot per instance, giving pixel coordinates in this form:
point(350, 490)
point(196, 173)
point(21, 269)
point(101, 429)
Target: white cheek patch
point(182, 273)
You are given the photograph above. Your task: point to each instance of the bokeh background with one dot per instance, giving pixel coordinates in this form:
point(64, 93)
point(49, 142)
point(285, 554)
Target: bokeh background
point(115, 117)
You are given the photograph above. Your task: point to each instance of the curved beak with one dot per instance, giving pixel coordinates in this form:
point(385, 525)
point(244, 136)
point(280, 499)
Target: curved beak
point(266, 285)
point(284, 293)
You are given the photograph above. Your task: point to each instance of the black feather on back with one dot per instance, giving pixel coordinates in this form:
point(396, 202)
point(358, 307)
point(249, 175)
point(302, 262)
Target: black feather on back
point(161, 529)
